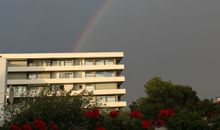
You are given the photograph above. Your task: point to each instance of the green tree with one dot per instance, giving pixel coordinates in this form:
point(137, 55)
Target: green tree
point(181, 98)
point(56, 106)
point(165, 94)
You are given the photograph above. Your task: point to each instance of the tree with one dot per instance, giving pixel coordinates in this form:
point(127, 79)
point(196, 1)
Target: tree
point(180, 98)
point(52, 106)
point(165, 94)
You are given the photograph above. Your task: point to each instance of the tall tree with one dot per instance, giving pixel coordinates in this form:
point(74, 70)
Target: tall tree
point(165, 94)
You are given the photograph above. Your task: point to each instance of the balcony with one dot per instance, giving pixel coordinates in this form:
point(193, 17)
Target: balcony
point(66, 80)
point(65, 68)
point(105, 92)
point(95, 92)
point(114, 104)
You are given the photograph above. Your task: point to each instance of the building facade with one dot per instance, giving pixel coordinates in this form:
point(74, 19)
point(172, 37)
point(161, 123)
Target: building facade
point(100, 72)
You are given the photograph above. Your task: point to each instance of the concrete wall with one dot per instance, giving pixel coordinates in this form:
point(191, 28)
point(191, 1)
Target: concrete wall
point(106, 86)
point(3, 75)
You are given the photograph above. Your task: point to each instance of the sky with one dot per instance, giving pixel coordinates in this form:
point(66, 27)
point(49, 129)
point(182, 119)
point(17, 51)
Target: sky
point(175, 40)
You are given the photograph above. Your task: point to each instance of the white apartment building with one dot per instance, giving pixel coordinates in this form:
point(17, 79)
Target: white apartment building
point(100, 72)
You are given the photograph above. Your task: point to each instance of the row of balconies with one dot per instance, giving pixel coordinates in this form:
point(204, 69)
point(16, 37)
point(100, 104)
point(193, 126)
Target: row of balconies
point(102, 93)
point(95, 92)
point(62, 62)
point(65, 68)
point(66, 81)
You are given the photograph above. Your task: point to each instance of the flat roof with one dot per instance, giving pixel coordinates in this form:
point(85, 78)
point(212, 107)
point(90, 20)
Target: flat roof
point(62, 55)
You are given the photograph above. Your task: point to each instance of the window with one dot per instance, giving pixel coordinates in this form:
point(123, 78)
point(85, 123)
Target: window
point(89, 62)
point(54, 75)
point(101, 98)
point(34, 63)
point(109, 74)
point(62, 63)
point(105, 74)
point(78, 74)
point(90, 74)
point(90, 87)
point(99, 74)
point(109, 62)
point(77, 62)
point(46, 63)
point(62, 75)
point(100, 62)
point(66, 75)
point(106, 98)
point(32, 76)
point(55, 63)
point(111, 99)
point(68, 62)
point(69, 74)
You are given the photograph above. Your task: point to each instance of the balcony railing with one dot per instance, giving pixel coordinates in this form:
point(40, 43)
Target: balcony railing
point(64, 68)
point(66, 80)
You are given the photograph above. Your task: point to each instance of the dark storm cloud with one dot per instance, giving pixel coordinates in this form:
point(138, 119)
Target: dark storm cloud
point(177, 40)
point(43, 25)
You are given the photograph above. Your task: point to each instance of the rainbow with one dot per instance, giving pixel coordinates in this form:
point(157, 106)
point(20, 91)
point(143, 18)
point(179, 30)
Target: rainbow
point(90, 25)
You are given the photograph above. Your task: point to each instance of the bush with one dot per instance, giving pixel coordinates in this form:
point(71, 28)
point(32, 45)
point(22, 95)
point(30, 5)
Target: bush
point(52, 107)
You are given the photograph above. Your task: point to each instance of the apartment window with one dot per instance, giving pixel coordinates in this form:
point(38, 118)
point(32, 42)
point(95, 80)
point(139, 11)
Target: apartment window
point(109, 74)
point(54, 75)
point(34, 63)
point(90, 74)
point(69, 74)
point(106, 98)
point(100, 62)
point(90, 87)
point(78, 75)
point(110, 98)
point(105, 74)
point(46, 63)
point(62, 75)
point(68, 62)
point(55, 63)
point(109, 62)
point(89, 62)
point(62, 63)
point(33, 76)
point(77, 62)
point(101, 98)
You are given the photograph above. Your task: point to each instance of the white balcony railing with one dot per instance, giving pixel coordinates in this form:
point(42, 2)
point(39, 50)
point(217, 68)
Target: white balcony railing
point(65, 68)
point(105, 91)
point(66, 80)
point(114, 104)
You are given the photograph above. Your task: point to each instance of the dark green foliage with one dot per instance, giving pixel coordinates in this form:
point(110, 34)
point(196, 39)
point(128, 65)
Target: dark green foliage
point(51, 106)
point(169, 94)
point(190, 112)
point(187, 120)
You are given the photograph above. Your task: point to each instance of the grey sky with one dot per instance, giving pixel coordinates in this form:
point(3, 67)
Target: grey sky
point(176, 40)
